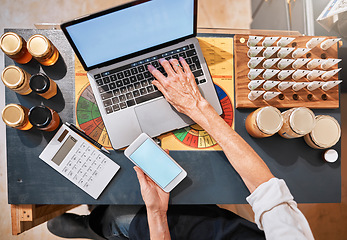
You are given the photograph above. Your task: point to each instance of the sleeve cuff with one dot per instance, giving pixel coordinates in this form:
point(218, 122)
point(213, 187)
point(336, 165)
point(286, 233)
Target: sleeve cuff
point(269, 195)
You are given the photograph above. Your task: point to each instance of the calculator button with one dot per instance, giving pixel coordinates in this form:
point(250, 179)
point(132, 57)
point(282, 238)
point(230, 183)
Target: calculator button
point(74, 158)
point(87, 185)
point(89, 160)
point(83, 147)
point(94, 154)
point(89, 150)
point(80, 172)
point(65, 170)
point(91, 180)
point(70, 174)
point(90, 170)
point(81, 182)
point(70, 164)
point(96, 173)
point(76, 178)
point(79, 152)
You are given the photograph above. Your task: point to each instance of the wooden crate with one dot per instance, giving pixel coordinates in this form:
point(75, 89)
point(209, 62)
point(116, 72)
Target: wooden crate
point(320, 99)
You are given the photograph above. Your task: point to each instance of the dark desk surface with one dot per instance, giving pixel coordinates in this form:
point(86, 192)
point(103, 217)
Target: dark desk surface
point(211, 179)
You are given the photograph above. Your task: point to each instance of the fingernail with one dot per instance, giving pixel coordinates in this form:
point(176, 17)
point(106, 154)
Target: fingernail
point(150, 68)
point(161, 59)
point(181, 58)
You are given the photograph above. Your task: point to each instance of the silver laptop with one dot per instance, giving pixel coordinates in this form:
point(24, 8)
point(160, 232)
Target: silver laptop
point(115, 46)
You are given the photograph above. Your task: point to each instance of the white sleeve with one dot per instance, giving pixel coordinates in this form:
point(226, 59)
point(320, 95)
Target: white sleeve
point(277, 213)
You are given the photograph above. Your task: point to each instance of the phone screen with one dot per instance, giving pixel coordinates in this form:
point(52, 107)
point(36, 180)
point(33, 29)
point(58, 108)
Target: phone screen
point(150, 158)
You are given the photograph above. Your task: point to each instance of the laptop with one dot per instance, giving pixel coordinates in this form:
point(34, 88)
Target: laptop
point(115, 47)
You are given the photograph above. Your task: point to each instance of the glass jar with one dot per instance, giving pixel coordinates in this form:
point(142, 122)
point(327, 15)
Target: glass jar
point(44, 118)
point(264, 122)
point(16, 79)
point(43, 50)
point(325, 134)
point(297, 122)
point(15, 47)
point(16, 116)
point(44, 86)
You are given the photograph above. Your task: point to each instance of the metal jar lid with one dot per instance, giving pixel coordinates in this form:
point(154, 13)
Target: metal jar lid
point(13, 115)
point(11, 43)
point(38, 45)
point(13, 77)
point(302, 120)
point(327, 131)
point(269, 120)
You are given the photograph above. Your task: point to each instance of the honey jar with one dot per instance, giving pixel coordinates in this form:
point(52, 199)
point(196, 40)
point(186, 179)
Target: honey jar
point(16, 116)
point(325, 134)
point(15, 47)
point(264, 122)
point(297, 122)
point(43, 50)
point(16, 79)
point(41, 84)
point(44, 118)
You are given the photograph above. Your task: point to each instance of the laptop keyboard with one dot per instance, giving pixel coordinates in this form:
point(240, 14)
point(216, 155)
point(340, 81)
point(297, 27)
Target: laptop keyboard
point(131, 84)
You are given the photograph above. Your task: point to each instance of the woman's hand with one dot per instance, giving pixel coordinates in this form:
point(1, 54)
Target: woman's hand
point(179, 87)
point(155, 198)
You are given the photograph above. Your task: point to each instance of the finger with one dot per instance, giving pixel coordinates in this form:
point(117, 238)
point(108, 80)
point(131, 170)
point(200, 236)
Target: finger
point(190, 75)
point(167, 66)
point(176, 66)
point(156, 73)
point(141, 177)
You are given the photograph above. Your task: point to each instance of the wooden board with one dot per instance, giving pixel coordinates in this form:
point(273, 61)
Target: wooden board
point(241, 79)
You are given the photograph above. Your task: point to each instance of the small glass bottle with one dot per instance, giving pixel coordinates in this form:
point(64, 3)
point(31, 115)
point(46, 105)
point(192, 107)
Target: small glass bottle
point(43, 50)
point(297, 122)
point(44, 118)
point(325, 134)
point(264, 122)
point(15, 47)
point(44, 86)
point(16, 116)
point(16, 79)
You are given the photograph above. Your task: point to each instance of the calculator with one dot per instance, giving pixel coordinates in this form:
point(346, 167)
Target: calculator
point(79, 161)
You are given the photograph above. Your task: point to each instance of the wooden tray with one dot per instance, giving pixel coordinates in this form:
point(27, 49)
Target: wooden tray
point(319, 98)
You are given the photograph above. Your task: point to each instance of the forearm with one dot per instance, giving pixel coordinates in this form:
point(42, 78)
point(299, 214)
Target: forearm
point(242, 157)
point(158, 225)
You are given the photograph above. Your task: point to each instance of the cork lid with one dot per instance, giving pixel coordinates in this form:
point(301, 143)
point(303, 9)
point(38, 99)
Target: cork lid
point(38, 45)
point(13, 115)
point(11, 43)
point(327, 131)
point(12, 77)
point(269, 120)
point(302, 120)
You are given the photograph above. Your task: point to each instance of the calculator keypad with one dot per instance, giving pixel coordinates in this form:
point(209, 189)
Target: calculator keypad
point(85, 165)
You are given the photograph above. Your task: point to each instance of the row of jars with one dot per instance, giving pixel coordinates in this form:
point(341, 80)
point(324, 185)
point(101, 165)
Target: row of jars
point(319, 132)
point(20, 117)
point(23, 83)
point(38, 47)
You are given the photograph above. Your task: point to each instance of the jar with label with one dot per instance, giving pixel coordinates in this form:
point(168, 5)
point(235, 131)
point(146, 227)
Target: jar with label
point(41, 84)
point(43, 50)
point(16, 116)
point(264, 122)
point(297, 122)
point(16, 79)
point(44, 118)
point(325, 134)
point(15, 47)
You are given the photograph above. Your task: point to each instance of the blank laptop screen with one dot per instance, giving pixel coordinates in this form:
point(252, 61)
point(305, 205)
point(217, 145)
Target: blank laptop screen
point(132, 29)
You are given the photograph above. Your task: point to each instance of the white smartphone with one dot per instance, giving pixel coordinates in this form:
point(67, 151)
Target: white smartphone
point(155, 162)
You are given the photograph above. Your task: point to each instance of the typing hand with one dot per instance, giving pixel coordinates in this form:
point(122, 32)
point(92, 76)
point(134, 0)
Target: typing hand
point(155, 198)
point(179, 87)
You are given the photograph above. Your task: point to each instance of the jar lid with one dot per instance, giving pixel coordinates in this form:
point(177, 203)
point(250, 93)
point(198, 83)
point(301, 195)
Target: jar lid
point(327, 131)
point(269, 120)
point(330, 155)
point(12, 76)
point(40, 116)
point(39, 83)
point(13, 115)
point(11, 43)
point(38, 45)
point(302, 120)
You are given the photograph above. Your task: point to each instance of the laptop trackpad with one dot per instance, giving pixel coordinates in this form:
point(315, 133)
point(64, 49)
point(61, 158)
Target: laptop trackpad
point(159, 116)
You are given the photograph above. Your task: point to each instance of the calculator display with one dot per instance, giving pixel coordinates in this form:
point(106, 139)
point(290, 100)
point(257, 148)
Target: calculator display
point(64, 150)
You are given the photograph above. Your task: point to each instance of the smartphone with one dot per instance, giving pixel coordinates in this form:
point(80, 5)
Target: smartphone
point(155, 162)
